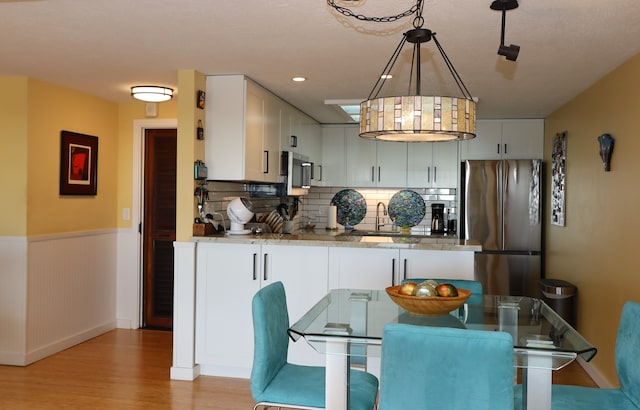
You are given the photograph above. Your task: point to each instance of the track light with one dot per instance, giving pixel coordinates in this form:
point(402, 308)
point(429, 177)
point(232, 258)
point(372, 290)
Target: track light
point(509, 52)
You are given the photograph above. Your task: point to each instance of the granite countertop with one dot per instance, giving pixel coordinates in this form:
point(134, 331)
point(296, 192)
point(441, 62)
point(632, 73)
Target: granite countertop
point(354, 239)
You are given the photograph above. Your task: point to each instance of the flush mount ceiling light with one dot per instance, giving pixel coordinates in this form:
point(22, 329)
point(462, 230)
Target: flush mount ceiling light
point(509, 52)
point(415, 117)
point(151, 93)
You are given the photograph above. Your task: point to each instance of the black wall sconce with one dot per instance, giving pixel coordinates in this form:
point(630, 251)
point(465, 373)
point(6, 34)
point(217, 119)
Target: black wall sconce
point(509, 52)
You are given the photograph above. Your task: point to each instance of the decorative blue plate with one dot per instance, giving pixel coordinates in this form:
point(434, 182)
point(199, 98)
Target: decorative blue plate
point(406, 208)
point(351, 207)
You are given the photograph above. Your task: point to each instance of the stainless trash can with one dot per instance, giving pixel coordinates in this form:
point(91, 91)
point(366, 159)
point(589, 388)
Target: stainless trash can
point(560, 295)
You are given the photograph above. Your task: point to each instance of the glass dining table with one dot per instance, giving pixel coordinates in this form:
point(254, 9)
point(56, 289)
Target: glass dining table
point(347, 324)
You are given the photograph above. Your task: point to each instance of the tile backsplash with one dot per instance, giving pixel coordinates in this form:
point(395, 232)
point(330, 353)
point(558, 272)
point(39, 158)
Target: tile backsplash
point(315, 205)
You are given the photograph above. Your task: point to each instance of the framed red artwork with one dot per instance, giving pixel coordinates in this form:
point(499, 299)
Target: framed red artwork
point(78, 164)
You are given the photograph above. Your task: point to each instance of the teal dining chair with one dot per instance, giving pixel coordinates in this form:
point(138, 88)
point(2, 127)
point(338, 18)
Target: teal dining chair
point(626, 357)
point(444, 368)
point(276, 382)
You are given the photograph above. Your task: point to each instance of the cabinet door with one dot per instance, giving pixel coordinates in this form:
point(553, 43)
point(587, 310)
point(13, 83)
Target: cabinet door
point(315, 151)
point(361, 160)
point(303, 270)
point(254, 156)
point(362, 268)
point(523, 139)
point(333, 171)
point(487, 144)
point(287, 128)
point(271, 139)
point(436, 264)
point(445, 165)
point(391, 158)
point(420, 164)
point(228, 275)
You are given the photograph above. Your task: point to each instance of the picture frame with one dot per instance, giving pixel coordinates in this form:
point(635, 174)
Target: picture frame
point(78, 164)
point(201, 99)
point(558, 178)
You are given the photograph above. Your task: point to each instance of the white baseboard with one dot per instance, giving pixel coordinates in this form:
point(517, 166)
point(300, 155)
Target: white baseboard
point(67, 342)
point(125, 324)
point(597, 377)
point(185, 373)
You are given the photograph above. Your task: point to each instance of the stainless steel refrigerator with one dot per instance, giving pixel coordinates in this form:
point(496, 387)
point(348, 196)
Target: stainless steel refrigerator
point(502, 208)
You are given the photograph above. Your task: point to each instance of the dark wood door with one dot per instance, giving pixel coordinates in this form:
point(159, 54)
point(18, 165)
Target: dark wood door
point(159, 222)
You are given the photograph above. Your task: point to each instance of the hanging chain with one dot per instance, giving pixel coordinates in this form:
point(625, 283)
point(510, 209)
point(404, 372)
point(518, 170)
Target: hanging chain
point(387, 19)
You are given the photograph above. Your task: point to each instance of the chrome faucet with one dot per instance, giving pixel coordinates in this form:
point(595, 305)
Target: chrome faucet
point(384, 212)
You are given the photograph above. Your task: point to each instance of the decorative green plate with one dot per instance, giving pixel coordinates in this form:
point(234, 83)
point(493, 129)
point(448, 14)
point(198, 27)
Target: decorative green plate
point(351, 207)
point(406, 208)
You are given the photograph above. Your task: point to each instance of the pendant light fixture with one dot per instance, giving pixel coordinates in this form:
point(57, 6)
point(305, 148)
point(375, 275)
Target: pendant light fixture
point(151, 93)
point(415, 117)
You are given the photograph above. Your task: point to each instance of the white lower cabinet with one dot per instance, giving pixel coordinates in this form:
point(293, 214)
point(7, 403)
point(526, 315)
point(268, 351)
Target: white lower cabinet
point(375, 268)
point(362, 268)
point(435, 264)
point(228, 275)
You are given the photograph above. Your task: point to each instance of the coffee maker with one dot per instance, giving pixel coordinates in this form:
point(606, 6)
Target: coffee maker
point(437, 218)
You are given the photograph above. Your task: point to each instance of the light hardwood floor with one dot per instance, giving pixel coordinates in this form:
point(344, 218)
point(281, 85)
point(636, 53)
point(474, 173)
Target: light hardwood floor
point(129, 369)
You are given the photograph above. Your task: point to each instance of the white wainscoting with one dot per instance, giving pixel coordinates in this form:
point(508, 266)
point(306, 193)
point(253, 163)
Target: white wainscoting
point(129, 282)
point(71, 290)
point(184, 309)
point(13, 304)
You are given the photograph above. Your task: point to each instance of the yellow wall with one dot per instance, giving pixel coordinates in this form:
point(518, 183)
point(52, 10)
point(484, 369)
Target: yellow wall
point(597, 249)
point(51, 110)
point(189, 149)
point(13, 156)
point(127, 114)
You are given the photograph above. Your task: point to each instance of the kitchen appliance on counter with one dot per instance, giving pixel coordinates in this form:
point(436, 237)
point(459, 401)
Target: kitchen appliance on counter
point(240, 211)
point(295, 170)
point(437, 218)
point(501, 208)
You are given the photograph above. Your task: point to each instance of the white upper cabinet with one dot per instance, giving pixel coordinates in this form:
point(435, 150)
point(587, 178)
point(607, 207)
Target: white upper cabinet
point(375, 163)
point(302, 134)
point(432, 165)
point(505, 139)
point(242, 141)
point(332, 171)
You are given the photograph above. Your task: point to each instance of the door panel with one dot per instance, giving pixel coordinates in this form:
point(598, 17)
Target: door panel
point(522, 224)
point(508, 274)
point(483, 203)
point(159, 227)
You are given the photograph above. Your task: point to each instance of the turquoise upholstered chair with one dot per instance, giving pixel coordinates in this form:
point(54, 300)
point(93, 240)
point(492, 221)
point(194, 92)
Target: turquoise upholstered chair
point(627, 355)
point(443, 368)
point(274, 381)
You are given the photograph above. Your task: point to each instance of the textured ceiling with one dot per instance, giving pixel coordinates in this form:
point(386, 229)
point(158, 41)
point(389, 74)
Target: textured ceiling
point(104, 47)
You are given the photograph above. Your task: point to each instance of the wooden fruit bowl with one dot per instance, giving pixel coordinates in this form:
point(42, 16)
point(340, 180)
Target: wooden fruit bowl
point(428, 305)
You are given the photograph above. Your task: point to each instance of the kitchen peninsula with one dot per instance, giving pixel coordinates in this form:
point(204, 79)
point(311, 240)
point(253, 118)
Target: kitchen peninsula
point(230, 269)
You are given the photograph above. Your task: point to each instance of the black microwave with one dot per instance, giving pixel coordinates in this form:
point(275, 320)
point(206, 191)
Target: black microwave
point(296, 173)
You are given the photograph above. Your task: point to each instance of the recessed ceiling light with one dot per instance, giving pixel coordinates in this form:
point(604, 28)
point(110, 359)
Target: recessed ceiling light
point(298, 79)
